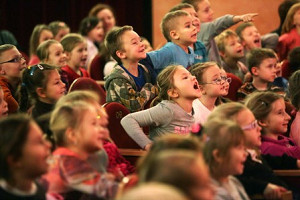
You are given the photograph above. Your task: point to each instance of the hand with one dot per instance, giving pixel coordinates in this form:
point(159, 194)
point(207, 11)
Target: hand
point(273, 191)
point(246, 18)
point(148, 146)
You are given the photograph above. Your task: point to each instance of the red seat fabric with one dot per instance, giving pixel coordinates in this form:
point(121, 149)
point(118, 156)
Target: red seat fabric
point(235, 84)
point(96, 68)
point(84, 83)
point(116, 112)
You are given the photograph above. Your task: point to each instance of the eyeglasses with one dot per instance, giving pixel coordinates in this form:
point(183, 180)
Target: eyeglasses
point(14, 60)
point(250, 126)
point(219, 81)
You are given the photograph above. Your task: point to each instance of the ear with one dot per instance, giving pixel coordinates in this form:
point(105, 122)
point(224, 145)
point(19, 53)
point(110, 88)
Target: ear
point(262, 123)
point(40, 92)
point(121, 54)
point(2, 71)
point(254, 70)
point(243, 43)
point(68, 55)
point(13, 163)
point(173, 93)
point(217, 157)
point(222, 54)
point(71, 136)
point(174, 35)
point(201, 87)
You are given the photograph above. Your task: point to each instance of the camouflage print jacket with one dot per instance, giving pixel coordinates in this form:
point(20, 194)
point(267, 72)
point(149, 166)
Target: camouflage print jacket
point(120, 87)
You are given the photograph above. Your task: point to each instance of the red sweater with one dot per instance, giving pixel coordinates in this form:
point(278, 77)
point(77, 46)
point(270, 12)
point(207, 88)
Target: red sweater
point(72, 75)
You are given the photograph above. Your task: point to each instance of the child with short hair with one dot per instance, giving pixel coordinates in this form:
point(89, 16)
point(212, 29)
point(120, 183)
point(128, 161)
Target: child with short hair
point(51, 52)
point(40, 33)
point(3, 105)
point(79, 132)
point(75, 48)
point(180, 33)
point(231, 51)
point(198, 46)
point(59, 29)
point(92, 29)
point(257, 177)
point(269, 110)
point(130, 82)
point(211, 28)
point(43, 85)
point(23, 157)
point(290, 37)
point(225, 155)
point(294, 92)
point(11, 64)
point(262, 64)
point(174, 114)
point(212, 85)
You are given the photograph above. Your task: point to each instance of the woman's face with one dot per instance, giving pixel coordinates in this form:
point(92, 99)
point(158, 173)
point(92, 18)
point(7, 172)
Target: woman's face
point(108, 19)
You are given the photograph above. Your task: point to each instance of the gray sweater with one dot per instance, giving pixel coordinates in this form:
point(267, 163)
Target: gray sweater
point(164, 118)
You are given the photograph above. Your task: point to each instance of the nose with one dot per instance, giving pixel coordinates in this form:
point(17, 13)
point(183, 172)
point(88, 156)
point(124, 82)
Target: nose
point(287, 117)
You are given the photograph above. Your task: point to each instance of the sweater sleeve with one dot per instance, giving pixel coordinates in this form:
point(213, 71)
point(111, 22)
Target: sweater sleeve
point(12, 103)
point(209, 30)
point(133, 123)
point(123, 92)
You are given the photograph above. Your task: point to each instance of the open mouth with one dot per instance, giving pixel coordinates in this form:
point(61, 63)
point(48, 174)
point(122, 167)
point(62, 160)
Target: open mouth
point(196, 86)
point(257, 41)
point(5, 113)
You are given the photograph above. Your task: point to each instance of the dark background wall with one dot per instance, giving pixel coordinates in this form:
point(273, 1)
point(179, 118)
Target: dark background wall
point(20, 16)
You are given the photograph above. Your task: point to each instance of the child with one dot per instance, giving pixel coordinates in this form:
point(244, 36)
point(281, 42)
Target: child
point(177, 90)
point(40, 33)
point(51, 52)
point(130, 82)
point(257, 177)
point(294, 91)
point(183, 169)
point(76, 55)
point(92, 29)
point(79, 131)
point(269, 109)
point(24, 154)
point(59, 29)
point(212, 86)
point(198, 46)
point(262, 64)
point(106, 14)
point(211, 28)
point(225, 155)
point(3, 105)
point(231, 51)
point(43, 85)
point(180, 33)
point(290, 37)
point(11, 65)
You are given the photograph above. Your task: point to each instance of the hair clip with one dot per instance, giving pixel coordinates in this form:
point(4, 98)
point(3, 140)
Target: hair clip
point(40, 66)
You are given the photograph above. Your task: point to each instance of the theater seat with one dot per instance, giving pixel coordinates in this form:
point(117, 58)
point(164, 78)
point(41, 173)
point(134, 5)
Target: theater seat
point(96, 68)
point(116, 112)
point(84, 83)
point(235, 84)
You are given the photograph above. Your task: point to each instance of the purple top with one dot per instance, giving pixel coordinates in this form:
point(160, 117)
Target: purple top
point(283, 145)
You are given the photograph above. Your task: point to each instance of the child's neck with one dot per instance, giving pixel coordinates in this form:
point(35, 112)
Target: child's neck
point(298, 29)
point(271, 135)
point(183, 46)
point(185, 104)
point(21, 183)
point(14, 82)
point(259, 84)
point(232, 63)
point(208, 102)
point(82, 154)
point(220, 177)
point(76, 68)
point(131, 66)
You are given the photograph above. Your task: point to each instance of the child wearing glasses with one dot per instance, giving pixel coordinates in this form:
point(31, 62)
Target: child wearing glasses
point(11, 65)
point(212, 85)
point(269, 109)
point(257, 177)
point(174, 114)
point(262, 64)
